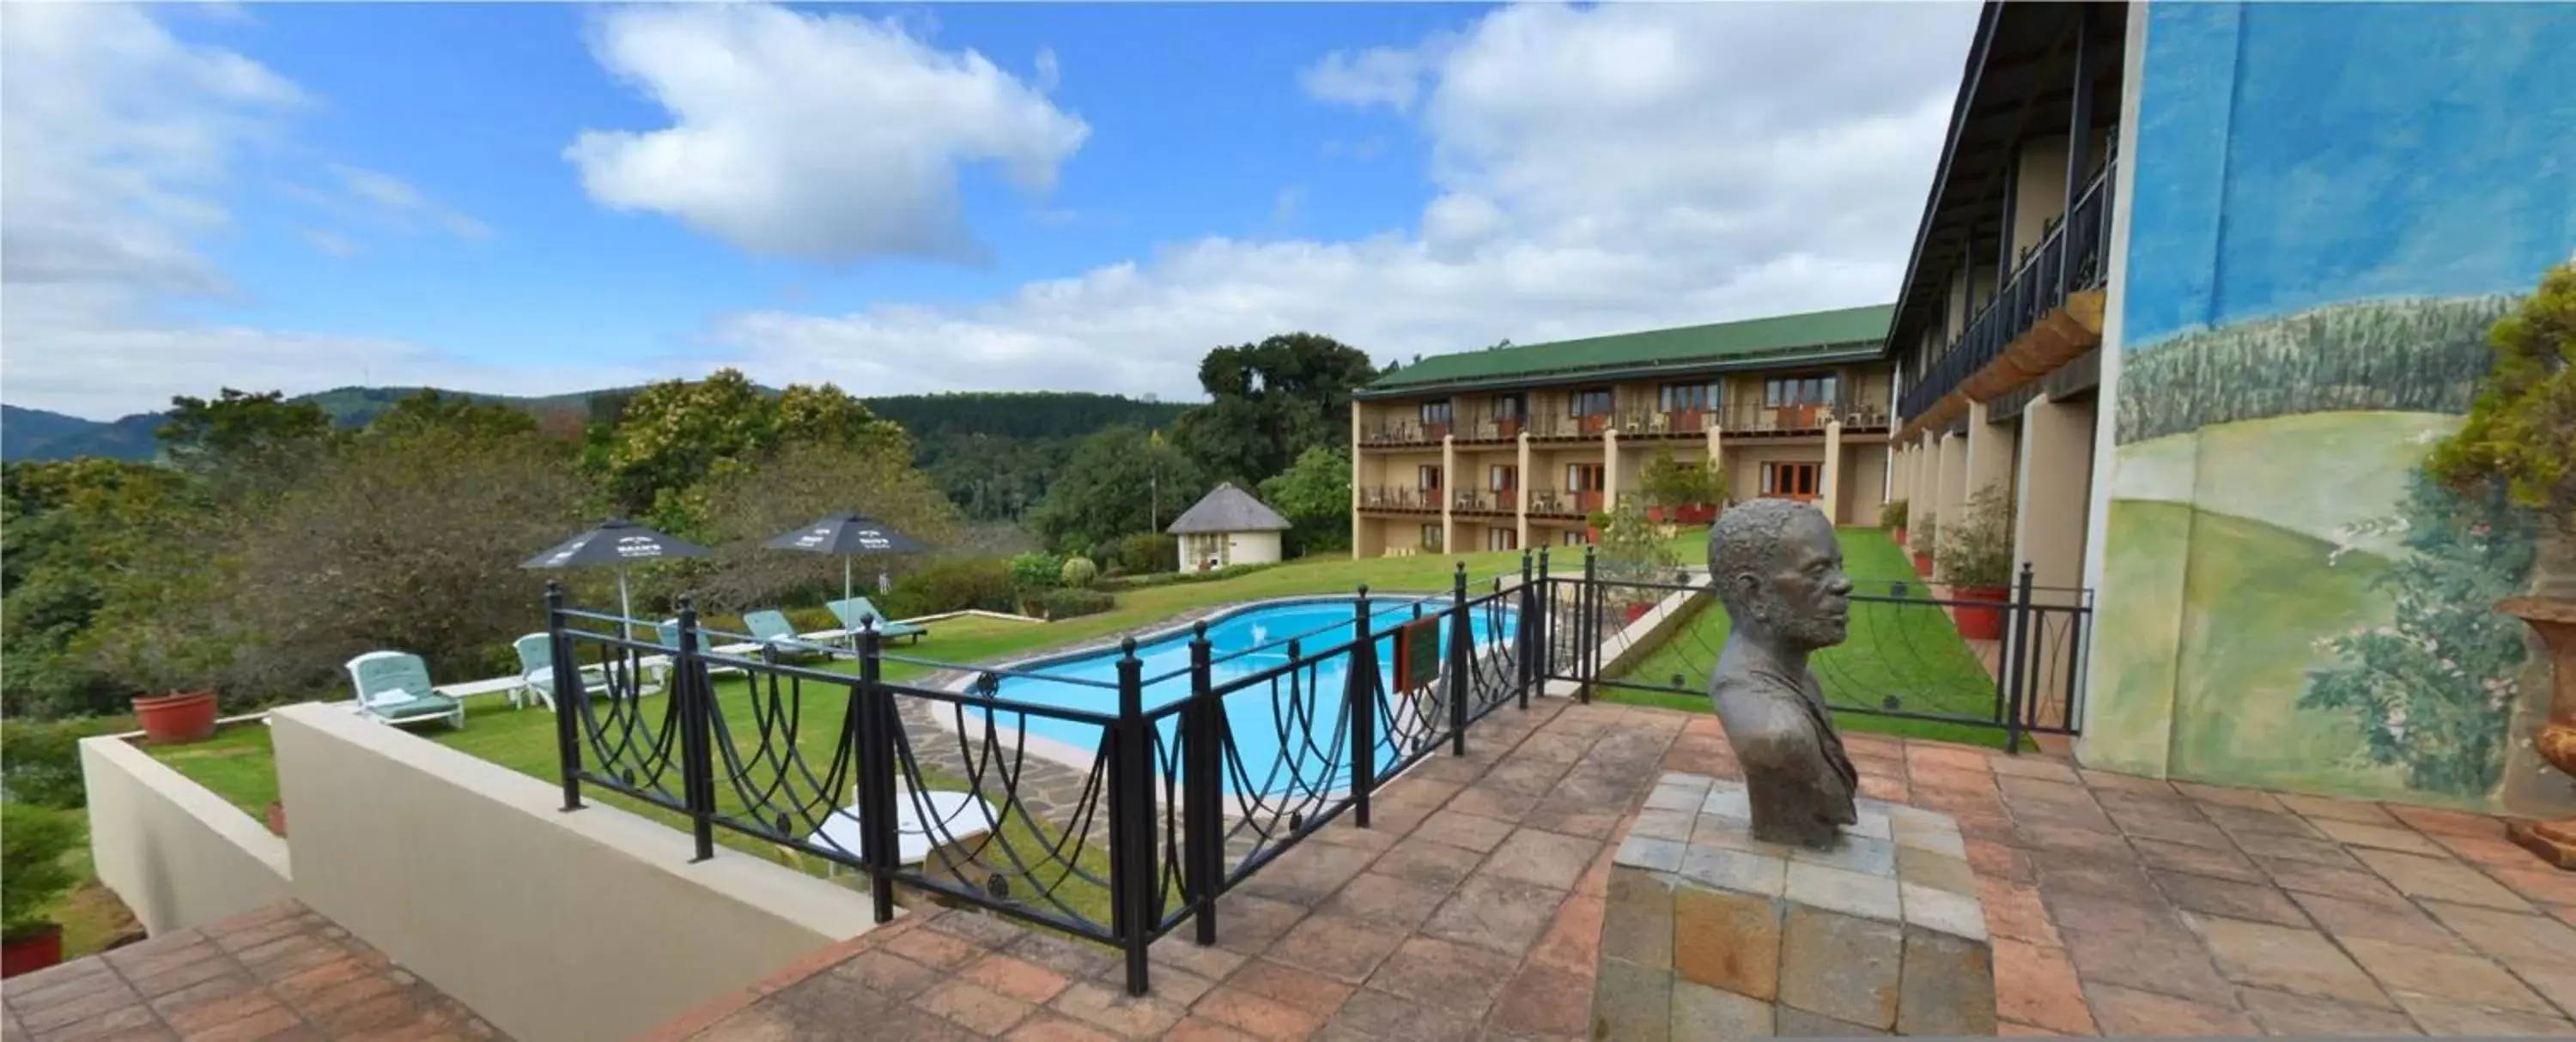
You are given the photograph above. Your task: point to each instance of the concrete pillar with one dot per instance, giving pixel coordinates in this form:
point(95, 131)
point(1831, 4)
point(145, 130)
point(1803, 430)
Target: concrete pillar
point(1448, 493)
point(1521, 498)
point(1990, 453)
point(1829, 486)
point(1950, 489)
point(1358, 544)
point(1610, 469)
point(2056, 484)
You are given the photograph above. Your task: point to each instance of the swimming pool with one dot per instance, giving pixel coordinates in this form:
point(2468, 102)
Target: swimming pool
point(1244, 642)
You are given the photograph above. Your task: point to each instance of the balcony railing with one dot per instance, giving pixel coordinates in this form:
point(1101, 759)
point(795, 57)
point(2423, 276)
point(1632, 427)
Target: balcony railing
point(1394, 498)
point(1485, 501)
point(1549, 502)
point(2071, 257)
point(1754, 418)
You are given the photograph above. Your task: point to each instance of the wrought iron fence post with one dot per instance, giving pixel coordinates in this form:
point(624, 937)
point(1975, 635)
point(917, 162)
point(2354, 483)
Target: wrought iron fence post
point(2018, 658)
point(1457, 661)
point(697, 746)
point(875, 762)
point(1134, 885)
point(1359, 701)
point(1546, 622)
point(1203, 825)
point(1525, 658)
point(1587, 629)
point(560, 660)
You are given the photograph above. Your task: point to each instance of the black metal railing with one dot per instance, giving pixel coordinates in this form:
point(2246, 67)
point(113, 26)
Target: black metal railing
point(1114, 824)
point(1085, 796)
point(2071, 257)
point(2005, 659)
point(1387, 497)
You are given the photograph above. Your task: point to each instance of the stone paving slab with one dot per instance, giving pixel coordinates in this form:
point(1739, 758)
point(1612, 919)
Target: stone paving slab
point(1474, 910)
point(283, 972)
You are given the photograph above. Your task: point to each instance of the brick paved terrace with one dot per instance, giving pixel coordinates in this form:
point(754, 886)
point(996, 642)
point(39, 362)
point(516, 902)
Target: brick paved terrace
point(281, 973)
point(1473, 908)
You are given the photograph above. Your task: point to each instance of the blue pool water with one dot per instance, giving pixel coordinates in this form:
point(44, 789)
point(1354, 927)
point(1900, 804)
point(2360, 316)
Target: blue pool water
point(1244, 643)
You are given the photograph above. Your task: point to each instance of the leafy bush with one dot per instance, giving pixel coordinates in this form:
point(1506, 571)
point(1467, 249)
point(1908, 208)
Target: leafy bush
point(1923, 535)
point(1893, 514)
point(31, 865)
point(1078, 572)
point(1977, 552)
point(949, 584)
point(1150, 552)
point(2433, 691)
point(1138, 582)
point(1034, 571)
point(2521, 430)
point(2397, 355)
point(1070, 602)
point(40, 759)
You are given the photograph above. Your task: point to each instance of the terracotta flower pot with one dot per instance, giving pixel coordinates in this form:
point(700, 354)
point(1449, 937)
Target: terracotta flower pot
point(177, 718)
point(2554, 619)
point(277, 817)
point(34, 952)
point(1635, 612)
point(1981, 615)
point(1897, 533)
point(1655, 515)
point(1922, 563)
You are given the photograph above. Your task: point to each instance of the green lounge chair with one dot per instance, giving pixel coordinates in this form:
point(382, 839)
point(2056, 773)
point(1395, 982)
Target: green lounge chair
point(668, 632)
point(773, 629)
point(537, 674)
point(855, 613)
point(393, 688)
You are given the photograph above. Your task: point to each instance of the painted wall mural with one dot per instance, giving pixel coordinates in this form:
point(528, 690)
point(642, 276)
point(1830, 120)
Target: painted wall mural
point(2331, 204)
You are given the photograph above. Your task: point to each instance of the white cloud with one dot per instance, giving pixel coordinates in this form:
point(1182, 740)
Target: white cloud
point(1610, 168)
point(823, 137)
point(115, 144)
point(395, 201)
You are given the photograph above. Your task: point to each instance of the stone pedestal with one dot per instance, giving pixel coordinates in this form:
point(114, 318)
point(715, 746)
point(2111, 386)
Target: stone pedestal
point(1712, 934)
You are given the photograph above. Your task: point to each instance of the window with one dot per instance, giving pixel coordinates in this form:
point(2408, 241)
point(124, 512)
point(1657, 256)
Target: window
point(1573, 538)
point(1583, 477)
point(1510, 406)
point(1790, 480)
point(1591, 403)
point(1502, 477)
point(1689, 397)
point(1502, 539)
point(1427, 477)
point(1435, 413)
point(1785, 392)
point(1431, 537)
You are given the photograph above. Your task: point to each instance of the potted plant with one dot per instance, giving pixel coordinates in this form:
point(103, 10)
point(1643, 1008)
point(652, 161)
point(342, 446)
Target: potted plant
point(1924, 532)
point(1593, 523)
point(1633, 551)
point(2518, 434)
point(1893, 516)
point(277, 817)
point(1977, 564)
point(32, 876)
point(1667, 484)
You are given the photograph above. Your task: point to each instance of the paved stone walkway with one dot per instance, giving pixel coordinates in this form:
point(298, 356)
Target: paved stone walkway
point(1473, 910)
point(280, 973)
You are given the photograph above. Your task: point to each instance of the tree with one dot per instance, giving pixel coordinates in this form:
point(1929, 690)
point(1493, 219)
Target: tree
point(251, 440)
point(749, 505)
point(2521, 430)
point(1269, 402)
point(72, 534)
point(675, 435)
point(1112, 487)
point(1314, 494)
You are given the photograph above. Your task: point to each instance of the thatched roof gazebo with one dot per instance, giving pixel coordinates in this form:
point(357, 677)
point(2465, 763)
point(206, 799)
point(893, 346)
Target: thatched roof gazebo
point(1228, 526)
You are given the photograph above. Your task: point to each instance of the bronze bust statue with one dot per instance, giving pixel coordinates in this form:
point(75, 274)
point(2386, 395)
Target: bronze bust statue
point(1779, 572)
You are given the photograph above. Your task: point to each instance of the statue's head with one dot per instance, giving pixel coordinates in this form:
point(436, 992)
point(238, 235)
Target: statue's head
point(1778, 569)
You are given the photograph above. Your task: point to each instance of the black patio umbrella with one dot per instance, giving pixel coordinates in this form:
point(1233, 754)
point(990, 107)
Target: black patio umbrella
point(846, 536)
point(619, 542)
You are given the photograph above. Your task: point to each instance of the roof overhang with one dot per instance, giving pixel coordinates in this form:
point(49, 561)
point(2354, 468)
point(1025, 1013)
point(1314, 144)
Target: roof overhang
point(2017, 85)
point(1832, 354)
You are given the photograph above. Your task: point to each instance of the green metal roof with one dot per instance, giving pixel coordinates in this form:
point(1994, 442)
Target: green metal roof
point(1779, 338)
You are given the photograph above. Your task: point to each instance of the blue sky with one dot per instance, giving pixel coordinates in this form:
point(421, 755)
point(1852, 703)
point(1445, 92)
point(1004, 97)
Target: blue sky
point(2379, 151)
point(537, 198)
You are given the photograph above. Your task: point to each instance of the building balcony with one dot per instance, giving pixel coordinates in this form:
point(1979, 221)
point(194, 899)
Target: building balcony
point(2047, 313)
point(1400, 500)
point(1549, 502)
point(1754, 419)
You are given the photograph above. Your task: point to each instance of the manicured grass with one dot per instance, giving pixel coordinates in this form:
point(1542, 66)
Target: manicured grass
point(1896, 656)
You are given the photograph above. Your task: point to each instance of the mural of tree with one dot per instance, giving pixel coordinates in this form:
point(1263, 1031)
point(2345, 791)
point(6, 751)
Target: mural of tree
point(2433, 692)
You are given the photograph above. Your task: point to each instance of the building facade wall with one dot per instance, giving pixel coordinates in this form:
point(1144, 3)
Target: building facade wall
point(2298, 306)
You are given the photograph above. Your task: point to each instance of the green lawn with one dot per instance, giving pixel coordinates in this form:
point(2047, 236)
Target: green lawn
point(1897, 656)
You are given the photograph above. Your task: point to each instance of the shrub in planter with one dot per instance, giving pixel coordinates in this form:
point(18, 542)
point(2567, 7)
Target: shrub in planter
point(1923, 534)
point(1068, 602)
point(32, 876)
point(1078, 573)
point(1893, 516)
point(1977, 563)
